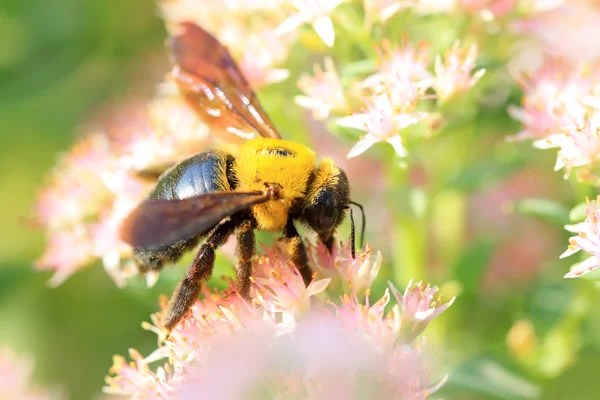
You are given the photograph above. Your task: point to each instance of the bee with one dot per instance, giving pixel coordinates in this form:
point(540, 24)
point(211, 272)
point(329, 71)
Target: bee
point(271, 185)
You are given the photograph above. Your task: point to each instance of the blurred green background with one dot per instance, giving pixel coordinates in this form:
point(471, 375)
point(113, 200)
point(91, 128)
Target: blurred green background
point(61, 61)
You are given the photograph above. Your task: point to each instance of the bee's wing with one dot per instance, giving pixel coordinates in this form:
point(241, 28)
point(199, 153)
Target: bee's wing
point(213, 85)
point(158, 222)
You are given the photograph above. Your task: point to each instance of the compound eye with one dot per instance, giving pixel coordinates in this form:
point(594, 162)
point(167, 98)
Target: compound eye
point(327, 218)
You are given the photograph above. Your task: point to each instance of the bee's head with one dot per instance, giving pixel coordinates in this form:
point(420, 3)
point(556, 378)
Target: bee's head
point(327, 199)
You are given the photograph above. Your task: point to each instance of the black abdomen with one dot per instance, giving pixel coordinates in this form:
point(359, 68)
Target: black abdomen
point(202, 173)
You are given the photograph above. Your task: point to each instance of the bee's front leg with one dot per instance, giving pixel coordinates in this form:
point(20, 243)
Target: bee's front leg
point(295, 249)
point(244, 252)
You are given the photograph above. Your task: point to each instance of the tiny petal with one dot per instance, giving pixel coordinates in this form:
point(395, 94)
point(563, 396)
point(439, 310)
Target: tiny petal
point(317, 287)
point(362, 145)
point(324, 28)
point(405, 120)
point(396, 143)
point(356, 121)
point(292, 23)
point(584, 268)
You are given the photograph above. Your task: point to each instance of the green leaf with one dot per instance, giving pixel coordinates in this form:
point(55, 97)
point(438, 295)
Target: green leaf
point(490, 378)
point(578, 213)
point(357, 68)
point(544, 209)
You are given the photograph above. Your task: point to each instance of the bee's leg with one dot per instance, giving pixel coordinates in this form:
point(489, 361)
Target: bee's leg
point(245, 251)
point(188, 289)
point(295, 249)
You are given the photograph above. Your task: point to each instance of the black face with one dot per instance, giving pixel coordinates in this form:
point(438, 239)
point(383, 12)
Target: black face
point(325, 211)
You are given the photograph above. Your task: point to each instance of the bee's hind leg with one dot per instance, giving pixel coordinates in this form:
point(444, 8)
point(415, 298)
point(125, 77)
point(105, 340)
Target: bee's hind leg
point(188, 289)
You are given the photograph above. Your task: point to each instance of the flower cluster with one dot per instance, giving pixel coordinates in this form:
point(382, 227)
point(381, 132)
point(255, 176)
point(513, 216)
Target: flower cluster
point(104, 177)
point(292, 341)
point(16, 379)
point(388, 101)
point(560, 110)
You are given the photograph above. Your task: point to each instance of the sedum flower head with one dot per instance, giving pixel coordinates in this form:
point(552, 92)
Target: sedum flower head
point(381, 122)
point(587, 239)
point(280, 287)
point(551, 98)
point(419, 304)
point(323, 92)
point(578, 146)
point(454, 75)
point(402, 74)
point(332, 349)
point(560, 110)
point(97, 184)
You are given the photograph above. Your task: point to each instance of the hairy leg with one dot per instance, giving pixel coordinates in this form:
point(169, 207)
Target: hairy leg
point(187, 292)
point(245, 251)
point(295, 249)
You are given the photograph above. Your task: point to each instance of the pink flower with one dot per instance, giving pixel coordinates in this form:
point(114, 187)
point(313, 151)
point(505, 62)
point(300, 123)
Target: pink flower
point(68, 250)
point(280, 287)
point(578, 146)
point(370, 320)
point(402, 74)
point(96, 185)
point(454, 76)
point(359, 273)
point(552, 99)
point(587, 239)
point(74, 191)
point(16, 379)
point(382, 122)
point(418, 306)
point(315, 12)
point(323, 92)
point(137, 380)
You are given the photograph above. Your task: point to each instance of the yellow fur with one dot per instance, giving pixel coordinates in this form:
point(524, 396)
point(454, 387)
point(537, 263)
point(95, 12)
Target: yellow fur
point(222, 181)
point(257, 165)
point(327, 174)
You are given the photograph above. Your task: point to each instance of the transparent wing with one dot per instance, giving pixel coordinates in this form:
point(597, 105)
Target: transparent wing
point(213, 85)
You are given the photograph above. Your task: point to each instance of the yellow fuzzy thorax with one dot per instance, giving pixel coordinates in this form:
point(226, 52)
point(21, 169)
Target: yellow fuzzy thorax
point(273, 161)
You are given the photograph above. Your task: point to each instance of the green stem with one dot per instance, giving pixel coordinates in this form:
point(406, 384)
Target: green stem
point(408, 232)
